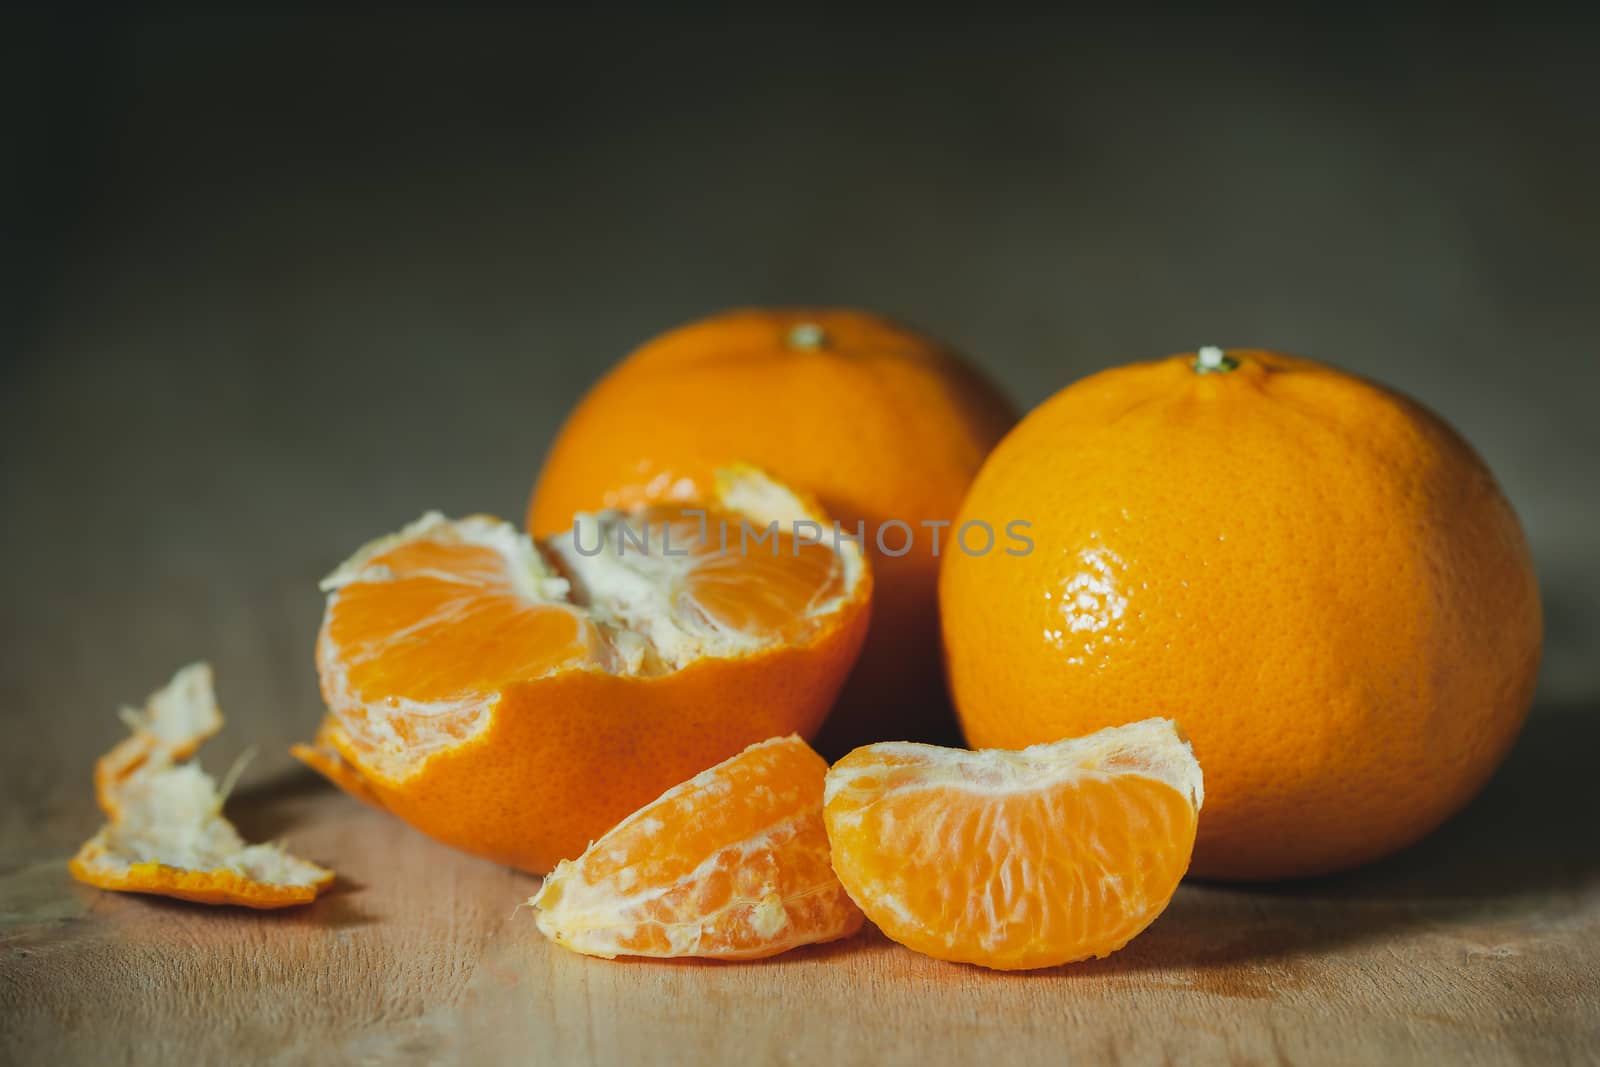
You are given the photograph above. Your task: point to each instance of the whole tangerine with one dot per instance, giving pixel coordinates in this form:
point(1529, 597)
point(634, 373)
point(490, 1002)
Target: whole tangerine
point(885, 426)
point(1318, 578)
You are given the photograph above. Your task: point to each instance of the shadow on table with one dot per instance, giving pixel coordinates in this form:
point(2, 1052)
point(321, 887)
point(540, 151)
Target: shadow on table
point(1529, 831)
point(868, 940)
point(334, 909)
point(267, 810)
point(1524, 842)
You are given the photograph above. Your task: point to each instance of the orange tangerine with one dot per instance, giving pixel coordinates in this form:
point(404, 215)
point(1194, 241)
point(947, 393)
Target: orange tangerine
point(516, 700)
point(732, 864)
point(886, 426)
point(1016, 860)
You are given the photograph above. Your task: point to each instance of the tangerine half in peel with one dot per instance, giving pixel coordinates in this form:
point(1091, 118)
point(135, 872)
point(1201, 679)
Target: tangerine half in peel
point(1317, 573)
point(517, 700)
point(1017, 860)
point(732, 864)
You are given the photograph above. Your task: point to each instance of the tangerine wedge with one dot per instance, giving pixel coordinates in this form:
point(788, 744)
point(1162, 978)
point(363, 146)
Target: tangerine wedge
point(732, 864)
point(1015, 860)
point(516, 700)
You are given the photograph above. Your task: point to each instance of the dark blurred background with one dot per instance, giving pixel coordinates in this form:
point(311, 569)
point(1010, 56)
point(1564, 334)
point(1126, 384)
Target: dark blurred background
point(273, 285)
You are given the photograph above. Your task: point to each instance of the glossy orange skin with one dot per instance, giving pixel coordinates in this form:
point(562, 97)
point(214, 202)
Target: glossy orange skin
point(878, 422)
point(1318, 578)
point(567, 757)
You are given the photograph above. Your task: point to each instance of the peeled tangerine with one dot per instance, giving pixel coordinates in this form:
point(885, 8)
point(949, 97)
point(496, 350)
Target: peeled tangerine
point(167, 835)
point(732, 864)
point(1017, 859)
point(517, 699)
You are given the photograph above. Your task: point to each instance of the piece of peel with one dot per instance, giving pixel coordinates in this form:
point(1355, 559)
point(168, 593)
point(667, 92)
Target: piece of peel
point(175, 722)
point(322, 755)
point(167, 835)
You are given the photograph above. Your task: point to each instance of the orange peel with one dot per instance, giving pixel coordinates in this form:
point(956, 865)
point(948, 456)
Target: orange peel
point(166, 834)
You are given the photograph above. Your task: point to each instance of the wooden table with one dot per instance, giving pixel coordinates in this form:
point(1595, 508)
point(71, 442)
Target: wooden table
point(283, 285)
point(1480, 946)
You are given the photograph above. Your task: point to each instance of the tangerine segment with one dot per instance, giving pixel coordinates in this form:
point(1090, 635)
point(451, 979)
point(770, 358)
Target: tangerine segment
point(1015, 860)
point(516, 700)
point(732, 864)
point(167, 835)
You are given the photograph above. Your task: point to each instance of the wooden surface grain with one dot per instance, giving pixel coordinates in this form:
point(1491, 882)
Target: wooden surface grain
point(1480, 946)
point(277, 286)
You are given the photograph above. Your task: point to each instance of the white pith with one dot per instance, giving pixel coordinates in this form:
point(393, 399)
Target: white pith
point(170, 812)
point(527, 571)
point(183, 711)
point(634, 599)
point(1151, 748)
point(592, 914)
